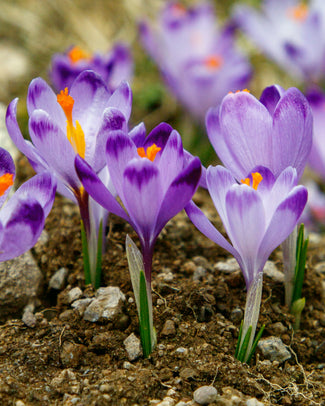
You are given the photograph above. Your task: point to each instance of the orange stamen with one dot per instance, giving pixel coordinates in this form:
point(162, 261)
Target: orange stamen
point(75, 133)
point(150, 153)
point(257, 179)
point(6, 180)
point(299, 13)
point(213, 62)
point(238, 91)
point(76, 54)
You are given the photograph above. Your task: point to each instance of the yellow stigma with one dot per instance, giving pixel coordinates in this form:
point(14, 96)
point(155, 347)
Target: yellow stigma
point(150, 153)
point(6, 180)
point(299, 12)
point(75, 134)
point(76, 54)
point(257, 178)
point(213, 62)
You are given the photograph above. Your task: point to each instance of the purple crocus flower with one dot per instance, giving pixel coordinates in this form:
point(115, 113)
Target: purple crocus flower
point(290, 32)
point(275, 131)
point(198, 61)
point(153, 177)
point(77, 121)
point(114, 66)
point(22, 217)
point(257, 215)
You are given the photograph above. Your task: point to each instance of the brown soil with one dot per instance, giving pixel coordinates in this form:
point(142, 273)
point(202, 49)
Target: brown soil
point(201, 308)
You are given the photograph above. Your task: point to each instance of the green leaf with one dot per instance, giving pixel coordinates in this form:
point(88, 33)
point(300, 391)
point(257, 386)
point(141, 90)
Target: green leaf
point(239, 339)
point(98, 270)
point(301, 254)
point(243, 348)
point(85, 254)
point(257, 339)
point(145, 332)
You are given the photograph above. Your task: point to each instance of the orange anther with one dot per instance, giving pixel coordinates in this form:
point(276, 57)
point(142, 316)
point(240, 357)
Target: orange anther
point(76, 54)
point(150, 153)
point(299, 12)
point(257, 178)
point(246, 181)
point(213, 62)
point(6, 180)
point(66, 102)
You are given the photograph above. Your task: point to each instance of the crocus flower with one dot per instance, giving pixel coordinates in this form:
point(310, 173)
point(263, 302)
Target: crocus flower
point(22, 216)
point(258, 215)
point(114, 66)
point(275, 131)
point(198, 61)
point(153, 177)
point(290, 32)
point(77, 121)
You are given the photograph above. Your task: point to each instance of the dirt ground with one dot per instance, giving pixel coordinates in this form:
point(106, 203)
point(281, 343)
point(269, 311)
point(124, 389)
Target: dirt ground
point(65, 360)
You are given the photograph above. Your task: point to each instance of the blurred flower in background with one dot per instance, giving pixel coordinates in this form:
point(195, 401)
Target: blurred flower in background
point(290, 32)
point(114, 66)
point(198, 60)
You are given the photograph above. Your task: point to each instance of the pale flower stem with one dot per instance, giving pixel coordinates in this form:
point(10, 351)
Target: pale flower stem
point(289, 264)
point(252, 310)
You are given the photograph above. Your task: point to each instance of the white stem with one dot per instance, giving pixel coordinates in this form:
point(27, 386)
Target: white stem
point(252, 310)
point(289, 247)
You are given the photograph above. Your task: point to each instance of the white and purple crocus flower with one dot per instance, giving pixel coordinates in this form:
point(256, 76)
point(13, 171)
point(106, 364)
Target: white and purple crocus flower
point(198, 61)
point(154, 179)
point(22, 216)
point(290, 32)
point(275, 132)
point(258, 214)
point(77, 121)
point(114, 66)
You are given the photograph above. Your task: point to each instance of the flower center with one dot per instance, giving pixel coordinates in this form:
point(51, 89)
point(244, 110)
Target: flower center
point(75, 133)
point(257, 178)
point(213, 62)
point(76, 54)
point(150, 153)
point(6, 180)
point(299, 12)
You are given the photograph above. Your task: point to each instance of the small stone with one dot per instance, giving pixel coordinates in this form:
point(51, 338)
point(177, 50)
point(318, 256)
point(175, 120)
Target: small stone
point(107, 305)
point(127, 365)
point(205, 395)
point(273, 349)
point(236, 315)
point(20, 283)
point(199, 273)
point(320, 267)
point(74, 294)
point(229, 266)
point(20, 403)
point(272, 272)
point(254, 402)
point(181, 351)
point(71, 354)
point(133, 347)
point(278, 328)
point(58, 280)
point(188, 374)
point(167, 401)
point(169, 328)
point(82, 304)
point(29, 318)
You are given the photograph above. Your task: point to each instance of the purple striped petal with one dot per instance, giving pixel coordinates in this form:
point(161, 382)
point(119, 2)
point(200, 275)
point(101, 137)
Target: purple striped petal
point(219, 181)
point(96, 188)
point(21, 229)
point(179, 193)
point(292, 140)
point(138, 134)
point(202, 223)
point(271, 96)
point(42, 187)
point(54, 146)
point(243, 119)
point(159, 135)
point(120, 150)
point(142, 192)
point(121, 99)
point(282, 224)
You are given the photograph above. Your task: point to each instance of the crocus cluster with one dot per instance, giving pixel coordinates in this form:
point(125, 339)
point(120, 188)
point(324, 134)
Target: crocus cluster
point(290, 32)
point(114, 66)
point(264, 145)
point(199, 61)
point(22, 216)
point(77, 121)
